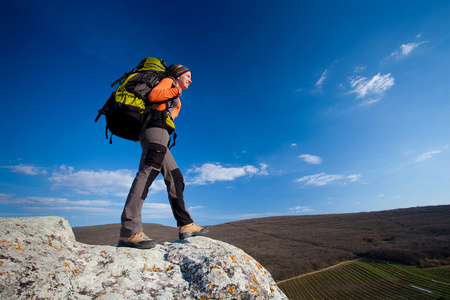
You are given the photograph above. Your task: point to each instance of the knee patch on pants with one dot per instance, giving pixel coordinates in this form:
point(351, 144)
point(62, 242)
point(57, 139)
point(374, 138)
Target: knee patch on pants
point(155, 155)
point(178, 182)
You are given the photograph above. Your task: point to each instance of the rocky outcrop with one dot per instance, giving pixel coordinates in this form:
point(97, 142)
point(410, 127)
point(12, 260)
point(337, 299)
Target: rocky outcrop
point(40, 259)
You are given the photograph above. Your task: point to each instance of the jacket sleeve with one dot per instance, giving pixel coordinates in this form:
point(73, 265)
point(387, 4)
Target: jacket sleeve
point(164, 91)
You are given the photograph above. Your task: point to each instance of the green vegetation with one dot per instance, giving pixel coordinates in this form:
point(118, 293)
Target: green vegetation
point(371, 279)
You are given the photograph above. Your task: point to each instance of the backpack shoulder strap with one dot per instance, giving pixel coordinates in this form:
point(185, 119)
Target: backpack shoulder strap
point(125, 75)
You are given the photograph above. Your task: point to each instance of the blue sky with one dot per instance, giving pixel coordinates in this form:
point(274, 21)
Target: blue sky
point(296, 107)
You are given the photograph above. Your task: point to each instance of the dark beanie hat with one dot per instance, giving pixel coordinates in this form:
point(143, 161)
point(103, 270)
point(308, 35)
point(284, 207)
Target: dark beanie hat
point(177, 70)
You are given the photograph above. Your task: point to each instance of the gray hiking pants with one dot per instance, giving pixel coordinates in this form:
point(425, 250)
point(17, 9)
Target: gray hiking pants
point(156, 158)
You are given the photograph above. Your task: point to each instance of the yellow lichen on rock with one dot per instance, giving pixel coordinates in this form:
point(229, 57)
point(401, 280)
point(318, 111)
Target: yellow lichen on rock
point(253, 289)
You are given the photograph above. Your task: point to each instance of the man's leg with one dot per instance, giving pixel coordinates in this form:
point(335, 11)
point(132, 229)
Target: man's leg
point(175, 187)
point(154, 146)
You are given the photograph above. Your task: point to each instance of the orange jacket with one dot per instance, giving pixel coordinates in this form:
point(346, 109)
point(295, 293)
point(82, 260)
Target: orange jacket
point(164, 91)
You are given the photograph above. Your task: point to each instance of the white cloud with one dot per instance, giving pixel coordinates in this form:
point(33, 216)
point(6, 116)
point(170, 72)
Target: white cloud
point(93, 182)
point(158, 186)
point(63, 204)
point(196, 207)
point(319, 83)
point(27, 169)
point(359, 69)
point(322, 179)
point(376, 86)
point(369, 101)
point(263, 169)
point(55, 202)
point(97, 207)
point(210, 173)
point(156, 210)
point(311, 159)
point(5, 199)
point(88, 182)
point(405, 49)
point(408, 48)
point(354, 177)
point(84, 209)
point(427, 155)
point(103, 182)
point(300, 209)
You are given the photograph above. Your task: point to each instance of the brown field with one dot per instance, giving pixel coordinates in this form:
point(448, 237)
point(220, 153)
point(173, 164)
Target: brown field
point(290, 246)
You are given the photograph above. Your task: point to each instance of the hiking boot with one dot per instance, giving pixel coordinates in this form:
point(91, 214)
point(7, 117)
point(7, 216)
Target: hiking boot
point(191, 230)
point(138, 240)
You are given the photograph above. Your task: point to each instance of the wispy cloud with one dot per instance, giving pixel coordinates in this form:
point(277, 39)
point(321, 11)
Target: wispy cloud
point(210, 173)
point(27, 169)
point(354, 177)
point(311, 159)
point(103, 182)
point(322, 179)
point(300, 209)
point(87, 210)
point(373, 88)
point(87, 182)
point(5, 199)
point(405, 50)
point(321, 80)
point(359, 69)
point(152, 211)
point(156, 211)
point(55, 202)
point(45, 204)
point(427, 155)
point(196, 207)
point(92, 182)
point(408, 48)
point(62, 204)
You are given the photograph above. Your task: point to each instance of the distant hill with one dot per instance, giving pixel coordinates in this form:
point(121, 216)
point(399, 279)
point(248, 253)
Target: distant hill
point(289, 246)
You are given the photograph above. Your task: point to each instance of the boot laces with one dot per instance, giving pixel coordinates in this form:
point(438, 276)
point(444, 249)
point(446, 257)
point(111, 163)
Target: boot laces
point(142, 237)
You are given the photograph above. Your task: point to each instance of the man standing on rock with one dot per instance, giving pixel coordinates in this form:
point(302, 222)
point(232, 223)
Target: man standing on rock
point(156, 158)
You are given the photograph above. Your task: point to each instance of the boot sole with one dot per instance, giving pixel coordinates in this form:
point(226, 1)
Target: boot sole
point(186, 235)
point(147, 245)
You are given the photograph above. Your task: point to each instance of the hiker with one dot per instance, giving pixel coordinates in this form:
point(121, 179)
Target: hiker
point(156, 157)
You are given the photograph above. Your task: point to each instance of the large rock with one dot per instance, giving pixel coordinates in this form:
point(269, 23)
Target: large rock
point(40, 259)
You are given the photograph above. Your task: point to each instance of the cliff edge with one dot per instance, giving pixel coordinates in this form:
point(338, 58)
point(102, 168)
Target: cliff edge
point(40, 258)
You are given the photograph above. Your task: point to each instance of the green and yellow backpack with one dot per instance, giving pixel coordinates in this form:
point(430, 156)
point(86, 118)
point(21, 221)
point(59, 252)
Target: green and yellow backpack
point(128, 109)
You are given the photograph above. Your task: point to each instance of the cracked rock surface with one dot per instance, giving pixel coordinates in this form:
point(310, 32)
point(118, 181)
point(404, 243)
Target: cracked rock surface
point(40, 259)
